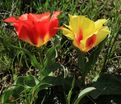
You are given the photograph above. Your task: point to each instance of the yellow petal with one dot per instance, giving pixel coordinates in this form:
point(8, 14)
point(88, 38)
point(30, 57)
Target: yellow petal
point(101, 34)
point(87, 25)
point(81, 23)
point(68, 33)
point(99, 23)
point(74, 23)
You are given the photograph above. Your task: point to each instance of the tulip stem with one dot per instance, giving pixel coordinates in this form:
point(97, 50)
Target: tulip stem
point(81, 65)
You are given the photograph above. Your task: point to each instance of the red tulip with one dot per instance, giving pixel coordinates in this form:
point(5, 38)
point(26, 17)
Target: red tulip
point(36, 29)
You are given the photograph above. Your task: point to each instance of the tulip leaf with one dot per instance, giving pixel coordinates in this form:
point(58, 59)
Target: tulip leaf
point(49, 61)
point(83, 93)
point(51, 52)
point(53, 80)
point(86, 61)
point(50, 55)
point(107, 85)
point(57, 81)
point(35, 62)
point(50, 68)
point(93, 56)
point(70, 92)
point(29, 81)
point(10, 95)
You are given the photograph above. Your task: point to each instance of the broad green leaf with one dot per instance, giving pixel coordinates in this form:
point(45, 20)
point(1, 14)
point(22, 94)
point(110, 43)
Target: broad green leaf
point(10, 95)
point(66, 83)
point(49, 68)
point(107, 85)
point(53, 80)
point(86, 61)
point(29, 81)
point(83, 93)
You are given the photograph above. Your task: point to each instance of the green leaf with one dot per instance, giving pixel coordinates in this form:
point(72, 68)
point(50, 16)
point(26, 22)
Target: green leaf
point(51, 52)
point(35, 62)
point(83, 93)
point(66, 83)
point(107, 85)
point(49, 61)
point(49, 68)
point(70, 92)
point(10, 95)
point(32, 57)
point(53, 80)
point(50, 56)
point(86, 61)
point(29, 81)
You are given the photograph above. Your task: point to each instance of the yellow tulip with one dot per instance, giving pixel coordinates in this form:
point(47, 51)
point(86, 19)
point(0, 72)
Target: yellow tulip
point(84, 32)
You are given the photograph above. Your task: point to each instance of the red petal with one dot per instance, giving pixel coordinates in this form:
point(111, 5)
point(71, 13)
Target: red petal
point(38, 17)
point(26, 33)
point(44, 16)
point(10, 19)
point(42, 28)
point(17, 27)
point(91, 41)
point(22, 30)
point(56, 14)
point(31, 32)
point(53, 26)
point(23, 17)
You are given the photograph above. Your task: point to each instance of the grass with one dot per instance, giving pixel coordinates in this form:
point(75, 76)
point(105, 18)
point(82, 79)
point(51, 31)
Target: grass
point(14, 62)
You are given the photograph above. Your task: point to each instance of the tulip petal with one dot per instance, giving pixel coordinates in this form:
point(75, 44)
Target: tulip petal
point(10, 19)
point(99, 23)
point(79, 37)
point(17, 26)
point(39, 17)
point(22, 32)
point(55, 14)
point(68, 33)
point(101, 34)
point(87, 26)
point(74, 23)
point(23, 17)
point(42, 32)
point(54, 23)
point(81, 23)
point(25, 32)
point(90, 42)
point(42, 28)
point(53, 26)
